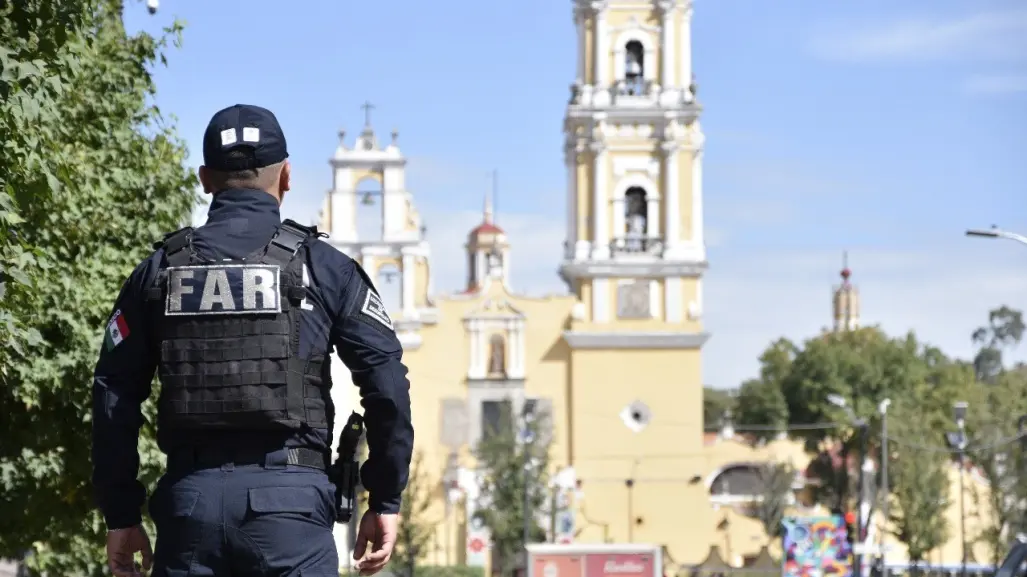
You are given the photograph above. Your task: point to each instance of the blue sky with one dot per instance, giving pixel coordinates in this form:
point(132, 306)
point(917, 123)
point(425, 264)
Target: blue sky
point(879, 127)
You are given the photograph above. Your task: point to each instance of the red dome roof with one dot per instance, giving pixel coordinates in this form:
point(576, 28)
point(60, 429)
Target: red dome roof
point(487, 227)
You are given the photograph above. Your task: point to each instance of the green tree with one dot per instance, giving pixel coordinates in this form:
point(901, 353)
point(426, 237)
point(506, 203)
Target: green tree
point(1004, 330)
point(762, 404)
point(34, 71)
point(514, 462)
point(863, 367)
point(417, 529)
point(777, 496)
point(992, 427)
point(91, 175)
point(920, 486)
point(717, 404)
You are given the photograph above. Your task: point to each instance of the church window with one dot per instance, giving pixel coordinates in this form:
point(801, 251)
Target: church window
point(636, 219)
point(389, 285)
point(634, 68)
point(497, 357)
point(742, 483)
point(370, 215)
point(495, 416)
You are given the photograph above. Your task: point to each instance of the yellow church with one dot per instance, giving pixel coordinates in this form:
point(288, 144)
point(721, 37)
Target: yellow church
point(617, 361)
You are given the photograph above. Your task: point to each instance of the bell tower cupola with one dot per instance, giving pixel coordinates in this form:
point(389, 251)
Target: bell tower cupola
point(846, 301)
point(370, 215)
point(488, 252)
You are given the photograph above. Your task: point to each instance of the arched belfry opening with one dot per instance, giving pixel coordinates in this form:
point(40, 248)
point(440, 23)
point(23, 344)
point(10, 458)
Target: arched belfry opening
point(634, 68)
point(389, 282)
point(370, 210)
point(636, 218)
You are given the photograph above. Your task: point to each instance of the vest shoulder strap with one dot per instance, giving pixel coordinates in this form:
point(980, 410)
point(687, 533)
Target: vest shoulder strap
point(176, 253)
point(287, 241)
point(282, 250)
point(177, 246)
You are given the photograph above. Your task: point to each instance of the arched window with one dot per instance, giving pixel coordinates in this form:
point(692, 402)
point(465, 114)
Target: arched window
point(634, 68)
point(497, 357)
point(370, 210)
point(636, 218)
point(389, 283)
point(737, 484)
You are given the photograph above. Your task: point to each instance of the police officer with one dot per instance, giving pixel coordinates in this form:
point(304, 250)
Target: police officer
point(239, 318)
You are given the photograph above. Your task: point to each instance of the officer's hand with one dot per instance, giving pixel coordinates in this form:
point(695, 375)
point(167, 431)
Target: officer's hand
point(380, 531)
point(122, 545)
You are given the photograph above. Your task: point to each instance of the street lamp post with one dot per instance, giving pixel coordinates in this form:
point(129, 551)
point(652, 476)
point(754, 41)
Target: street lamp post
point(864, 438)
point(1021, 430)
point(885, 496)
point(958, 441)
point(995, 232)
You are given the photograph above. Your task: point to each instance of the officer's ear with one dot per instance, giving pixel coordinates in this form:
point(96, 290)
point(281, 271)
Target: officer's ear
point(204, 174)
point(285, 179)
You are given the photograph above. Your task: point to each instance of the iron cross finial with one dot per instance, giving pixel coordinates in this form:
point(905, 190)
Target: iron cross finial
point(368, 107)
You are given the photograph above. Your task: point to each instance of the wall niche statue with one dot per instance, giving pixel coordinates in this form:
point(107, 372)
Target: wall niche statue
point(497, 357)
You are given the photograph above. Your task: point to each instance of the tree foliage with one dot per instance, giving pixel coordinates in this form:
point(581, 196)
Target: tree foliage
point(514, 461)
point(919, 484)
point(777, 480)
point(995, 409)
point(718, 404)
point(862, 367)
point(417, 529)
point(90, 175)
point(1004, 330)
point(760, 402)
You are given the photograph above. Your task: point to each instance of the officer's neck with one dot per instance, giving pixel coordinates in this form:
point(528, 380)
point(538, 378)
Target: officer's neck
point(233, 200)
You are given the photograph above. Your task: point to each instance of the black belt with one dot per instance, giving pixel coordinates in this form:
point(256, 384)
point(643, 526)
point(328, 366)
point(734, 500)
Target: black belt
point(208, 457)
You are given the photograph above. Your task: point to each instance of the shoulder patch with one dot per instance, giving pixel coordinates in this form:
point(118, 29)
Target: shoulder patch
point(374, 308)
point(371, 305)
point(117, 331)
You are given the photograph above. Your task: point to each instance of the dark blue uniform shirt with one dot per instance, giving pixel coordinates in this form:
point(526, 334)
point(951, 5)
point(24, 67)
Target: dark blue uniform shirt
point(240, 222)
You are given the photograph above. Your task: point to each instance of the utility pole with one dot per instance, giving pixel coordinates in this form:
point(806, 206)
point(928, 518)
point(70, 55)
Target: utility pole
point(886, 495)
point(864, 441)
point(863, 430)
point(958, 441)
point(1021, 429)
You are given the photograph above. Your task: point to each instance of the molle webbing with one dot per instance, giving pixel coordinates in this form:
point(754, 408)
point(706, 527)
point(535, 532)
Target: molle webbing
point(230, 371)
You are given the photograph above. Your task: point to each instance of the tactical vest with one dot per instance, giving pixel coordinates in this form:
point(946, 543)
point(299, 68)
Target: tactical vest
point(229, 333)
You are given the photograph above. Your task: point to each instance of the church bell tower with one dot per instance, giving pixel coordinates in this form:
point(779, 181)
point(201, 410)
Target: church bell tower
point(397, 251)
point(635, 250)
point(634, 257)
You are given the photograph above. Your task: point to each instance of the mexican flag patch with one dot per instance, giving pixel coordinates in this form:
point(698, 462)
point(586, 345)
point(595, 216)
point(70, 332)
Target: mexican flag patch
point(117, 331)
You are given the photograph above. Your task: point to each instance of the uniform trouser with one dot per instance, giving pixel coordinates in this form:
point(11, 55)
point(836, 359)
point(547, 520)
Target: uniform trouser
point(252, 520)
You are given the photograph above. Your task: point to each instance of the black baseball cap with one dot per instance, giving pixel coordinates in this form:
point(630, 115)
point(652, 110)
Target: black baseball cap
point(239, 126)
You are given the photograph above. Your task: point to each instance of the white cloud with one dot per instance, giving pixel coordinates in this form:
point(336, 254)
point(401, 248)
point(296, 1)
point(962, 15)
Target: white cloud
point(996, 85)
point(994, 35)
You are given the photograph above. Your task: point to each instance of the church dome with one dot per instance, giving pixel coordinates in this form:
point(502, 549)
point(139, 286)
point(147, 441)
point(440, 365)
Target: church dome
point(486, 233)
